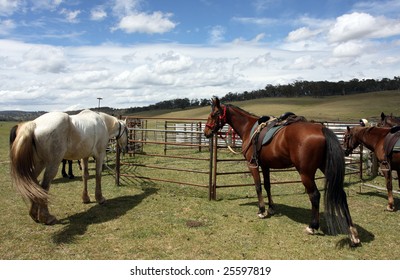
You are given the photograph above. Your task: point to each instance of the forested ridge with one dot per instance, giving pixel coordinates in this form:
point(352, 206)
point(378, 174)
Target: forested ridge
point(315, 89)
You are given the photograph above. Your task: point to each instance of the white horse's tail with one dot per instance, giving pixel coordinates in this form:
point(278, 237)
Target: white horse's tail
point(22, 154)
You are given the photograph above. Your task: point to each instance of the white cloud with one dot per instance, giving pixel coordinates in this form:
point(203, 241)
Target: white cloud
point(121, 8)
point(6, 26)
point(256, 20)
point(302, 33)
point(71, 16)
point(262, 5)
point(8, 7)
point(349, 49)
point(41, 77)
point(303, 63)
point(98, 13)
point(362, 26)
point(173, 62)
point(44, 59)
point(378, 7)
point(156, 22)
point(217, 34)
point(45, 4)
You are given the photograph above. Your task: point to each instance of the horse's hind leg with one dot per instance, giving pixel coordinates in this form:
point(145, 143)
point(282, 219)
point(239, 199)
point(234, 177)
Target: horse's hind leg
point(85, 177)
point(315, 196)
point(44, 215)
point(34, 211)
point(388, 176)
point(99, 167)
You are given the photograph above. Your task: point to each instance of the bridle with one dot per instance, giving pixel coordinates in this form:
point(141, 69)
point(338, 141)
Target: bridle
point(121, 131)
point(221, 120)
point(348, 143)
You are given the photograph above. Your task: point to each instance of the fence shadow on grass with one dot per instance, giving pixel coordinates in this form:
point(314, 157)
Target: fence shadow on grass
point(302, 216)
point(114, 208)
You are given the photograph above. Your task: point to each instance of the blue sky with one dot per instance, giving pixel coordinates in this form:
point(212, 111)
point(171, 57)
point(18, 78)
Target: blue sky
point(63, 54)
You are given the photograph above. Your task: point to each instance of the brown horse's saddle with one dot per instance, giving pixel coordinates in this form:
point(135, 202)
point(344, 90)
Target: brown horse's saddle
point(392, 141)
point(266, 128)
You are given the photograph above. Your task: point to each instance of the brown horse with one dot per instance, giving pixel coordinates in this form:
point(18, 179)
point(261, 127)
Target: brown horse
point(306, 146)
point(373, 138)
point(388, 120)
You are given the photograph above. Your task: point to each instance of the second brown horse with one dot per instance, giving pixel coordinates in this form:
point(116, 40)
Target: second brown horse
point(305, 145)
point(374, 138)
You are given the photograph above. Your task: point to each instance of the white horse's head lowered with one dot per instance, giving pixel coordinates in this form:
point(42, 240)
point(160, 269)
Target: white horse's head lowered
point(117, 129)
point(122, 136)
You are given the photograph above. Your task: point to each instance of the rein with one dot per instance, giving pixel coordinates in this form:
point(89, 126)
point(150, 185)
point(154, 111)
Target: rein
point(125, 130)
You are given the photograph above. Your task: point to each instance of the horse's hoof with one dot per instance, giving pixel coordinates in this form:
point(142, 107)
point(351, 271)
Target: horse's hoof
point(51, 220)
point(390, 208)
point(271, 211)
point(262, 215)
point(34, 218)
point(101, 200)
point(310, 231)
point(355, 242)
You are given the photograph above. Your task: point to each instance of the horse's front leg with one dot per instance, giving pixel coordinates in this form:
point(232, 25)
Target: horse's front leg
point(267, 186)
point(63, 173)
point(85, 177)
point(99, 168)
point(261, 204)
point(70, 172)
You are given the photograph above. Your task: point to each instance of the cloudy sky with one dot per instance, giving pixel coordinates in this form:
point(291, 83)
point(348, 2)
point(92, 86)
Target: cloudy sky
point(64, 54)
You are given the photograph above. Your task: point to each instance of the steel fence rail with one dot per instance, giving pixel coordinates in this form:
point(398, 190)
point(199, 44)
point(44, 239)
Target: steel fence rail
point(192, 138)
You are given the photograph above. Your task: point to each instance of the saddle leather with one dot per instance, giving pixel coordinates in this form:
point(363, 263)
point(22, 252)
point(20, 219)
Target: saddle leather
point(391, 141)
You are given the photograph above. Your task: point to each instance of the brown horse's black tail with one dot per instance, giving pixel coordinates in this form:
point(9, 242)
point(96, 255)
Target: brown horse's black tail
point(337, 212)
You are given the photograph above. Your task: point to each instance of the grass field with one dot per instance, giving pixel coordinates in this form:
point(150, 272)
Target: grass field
point(143, 220)
point(333, 108)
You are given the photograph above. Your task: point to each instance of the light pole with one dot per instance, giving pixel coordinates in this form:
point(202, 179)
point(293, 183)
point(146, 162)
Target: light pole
point(99, 98)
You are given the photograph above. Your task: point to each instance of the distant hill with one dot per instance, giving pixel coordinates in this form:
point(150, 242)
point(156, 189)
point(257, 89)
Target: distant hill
point(19, 115)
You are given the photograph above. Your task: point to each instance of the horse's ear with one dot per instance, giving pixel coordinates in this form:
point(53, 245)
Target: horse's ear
point(215, 102)
point(383, 116)
point(348, 128)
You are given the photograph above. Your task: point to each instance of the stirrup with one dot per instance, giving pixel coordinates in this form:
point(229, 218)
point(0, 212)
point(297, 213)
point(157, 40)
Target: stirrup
point(385, 166)
point(253, 163)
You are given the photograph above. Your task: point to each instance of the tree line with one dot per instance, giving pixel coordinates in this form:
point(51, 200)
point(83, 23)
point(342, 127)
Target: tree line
point(296, 89)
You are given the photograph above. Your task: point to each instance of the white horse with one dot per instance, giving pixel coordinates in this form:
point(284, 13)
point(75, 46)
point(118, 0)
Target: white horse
point(41, 144)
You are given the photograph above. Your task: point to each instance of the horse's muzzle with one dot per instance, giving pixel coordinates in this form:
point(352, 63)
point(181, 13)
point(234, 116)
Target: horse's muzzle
point(208, 134)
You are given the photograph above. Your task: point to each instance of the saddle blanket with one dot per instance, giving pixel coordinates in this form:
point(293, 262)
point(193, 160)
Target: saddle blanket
point(396, 147)
point(268, 135)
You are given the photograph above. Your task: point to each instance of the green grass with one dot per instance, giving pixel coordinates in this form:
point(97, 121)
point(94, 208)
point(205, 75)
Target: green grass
point(144, 220)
